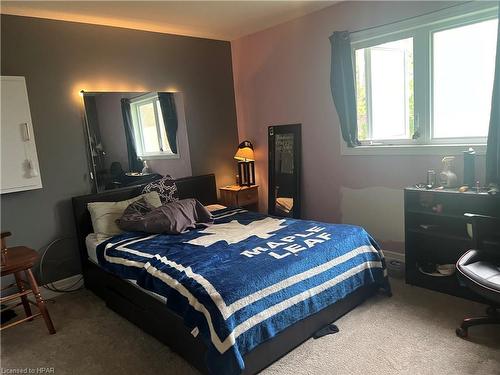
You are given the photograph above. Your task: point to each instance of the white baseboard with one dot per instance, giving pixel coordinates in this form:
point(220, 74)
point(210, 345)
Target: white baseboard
point(62, 284)
point(392, 255)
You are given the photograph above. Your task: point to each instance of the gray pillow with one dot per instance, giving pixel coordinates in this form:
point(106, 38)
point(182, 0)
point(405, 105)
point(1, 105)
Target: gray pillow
point(133, 214)
point(171, 218)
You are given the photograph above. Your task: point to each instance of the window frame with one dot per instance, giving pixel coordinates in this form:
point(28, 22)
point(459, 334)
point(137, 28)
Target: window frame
point(421, 29)
point(387, 38)
point(135, 103)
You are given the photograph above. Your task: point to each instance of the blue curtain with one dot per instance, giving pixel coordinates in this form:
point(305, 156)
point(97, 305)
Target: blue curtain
point(134, 164)
point(342, 85)
point(169, 113)
point(493, 148)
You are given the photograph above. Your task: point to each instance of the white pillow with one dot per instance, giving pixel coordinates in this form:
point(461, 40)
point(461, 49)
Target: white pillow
point(104, 214)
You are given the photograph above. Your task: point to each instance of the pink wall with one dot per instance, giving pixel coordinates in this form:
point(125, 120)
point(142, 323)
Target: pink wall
point(282, 75)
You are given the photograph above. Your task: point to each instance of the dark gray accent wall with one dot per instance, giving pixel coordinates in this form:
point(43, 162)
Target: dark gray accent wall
point(60, 58)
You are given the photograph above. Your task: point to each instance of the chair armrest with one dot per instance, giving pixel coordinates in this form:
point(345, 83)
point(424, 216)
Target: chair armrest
point(481, 225)
point(473, 255)
point(467, 258)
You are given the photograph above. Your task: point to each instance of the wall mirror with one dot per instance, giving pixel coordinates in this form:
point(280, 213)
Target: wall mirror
point(284, 142)
point(135, 137)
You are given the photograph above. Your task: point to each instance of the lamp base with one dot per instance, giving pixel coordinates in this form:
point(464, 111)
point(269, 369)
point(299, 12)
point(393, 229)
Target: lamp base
point(246, 171)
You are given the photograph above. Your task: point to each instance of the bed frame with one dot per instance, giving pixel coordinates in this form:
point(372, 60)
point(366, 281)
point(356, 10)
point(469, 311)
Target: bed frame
point(152, 315)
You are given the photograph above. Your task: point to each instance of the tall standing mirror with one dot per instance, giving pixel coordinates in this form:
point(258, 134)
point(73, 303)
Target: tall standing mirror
point(130, 133)
point(284, 142)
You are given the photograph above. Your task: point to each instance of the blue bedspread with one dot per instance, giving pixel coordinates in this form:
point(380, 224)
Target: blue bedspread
point(249, 276)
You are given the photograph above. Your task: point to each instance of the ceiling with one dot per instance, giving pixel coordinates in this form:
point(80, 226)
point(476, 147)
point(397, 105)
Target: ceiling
point(224, 20)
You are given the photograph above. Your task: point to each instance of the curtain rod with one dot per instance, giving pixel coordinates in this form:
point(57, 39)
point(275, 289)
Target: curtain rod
point(412, 17)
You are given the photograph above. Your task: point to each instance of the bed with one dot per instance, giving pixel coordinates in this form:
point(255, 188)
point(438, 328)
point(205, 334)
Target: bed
point(169, 285)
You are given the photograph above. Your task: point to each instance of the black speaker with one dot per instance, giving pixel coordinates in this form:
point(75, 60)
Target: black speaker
point(469, 167)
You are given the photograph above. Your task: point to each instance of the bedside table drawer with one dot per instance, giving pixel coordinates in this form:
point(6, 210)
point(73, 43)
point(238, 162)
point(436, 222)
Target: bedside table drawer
point(228, 199)
point(246, 197)
point(240, 196)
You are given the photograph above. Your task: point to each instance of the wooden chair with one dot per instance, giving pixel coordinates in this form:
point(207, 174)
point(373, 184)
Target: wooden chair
point(18, 260)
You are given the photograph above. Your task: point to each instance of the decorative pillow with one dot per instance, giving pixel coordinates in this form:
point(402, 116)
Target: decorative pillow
point(166, 188)
point(104, 214)
point(172, 218)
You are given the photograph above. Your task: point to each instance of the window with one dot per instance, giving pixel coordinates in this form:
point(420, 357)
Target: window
point(464, 67)
point(429, 82)
point(150, 134)
point(385, 71)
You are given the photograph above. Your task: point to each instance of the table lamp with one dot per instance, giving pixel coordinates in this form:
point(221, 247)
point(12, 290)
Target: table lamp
point(246, 168)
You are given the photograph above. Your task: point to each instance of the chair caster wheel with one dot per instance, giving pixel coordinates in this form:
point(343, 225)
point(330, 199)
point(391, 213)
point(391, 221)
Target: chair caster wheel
point(461, 332)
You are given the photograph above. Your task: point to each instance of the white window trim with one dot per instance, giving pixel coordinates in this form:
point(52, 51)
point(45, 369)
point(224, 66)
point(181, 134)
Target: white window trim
point(421, 29)
point(157, 156)
point(143, 155)
point(416, 149)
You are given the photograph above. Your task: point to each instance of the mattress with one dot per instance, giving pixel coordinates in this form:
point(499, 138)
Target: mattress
point(92, 241)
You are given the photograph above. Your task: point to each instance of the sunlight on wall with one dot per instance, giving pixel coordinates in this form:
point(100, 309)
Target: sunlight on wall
point(110, 86)
point(156, 27)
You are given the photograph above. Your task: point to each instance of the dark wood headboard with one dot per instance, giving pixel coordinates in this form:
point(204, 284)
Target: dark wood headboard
point(202, 188)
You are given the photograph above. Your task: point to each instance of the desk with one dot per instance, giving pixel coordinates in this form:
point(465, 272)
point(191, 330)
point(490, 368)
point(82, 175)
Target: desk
point(436, 232)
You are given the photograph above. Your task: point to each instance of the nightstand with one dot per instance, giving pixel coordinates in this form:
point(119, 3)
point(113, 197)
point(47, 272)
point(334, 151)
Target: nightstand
point(240, 196)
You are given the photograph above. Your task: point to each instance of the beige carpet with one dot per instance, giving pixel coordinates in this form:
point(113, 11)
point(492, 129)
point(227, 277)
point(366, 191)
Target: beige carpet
point(410, 333)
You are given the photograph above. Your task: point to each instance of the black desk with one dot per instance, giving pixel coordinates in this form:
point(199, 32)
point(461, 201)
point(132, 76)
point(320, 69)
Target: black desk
point(436, 232)
point(126, 180)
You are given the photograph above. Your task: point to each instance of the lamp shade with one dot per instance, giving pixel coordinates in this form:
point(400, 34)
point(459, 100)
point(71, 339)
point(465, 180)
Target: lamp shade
point(245, 152)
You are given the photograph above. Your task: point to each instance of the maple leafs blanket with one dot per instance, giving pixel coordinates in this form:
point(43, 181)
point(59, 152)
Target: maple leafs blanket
point(247, 277)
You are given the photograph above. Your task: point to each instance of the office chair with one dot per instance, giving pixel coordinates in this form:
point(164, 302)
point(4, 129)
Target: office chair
point(115, 177)
point(479, 268)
